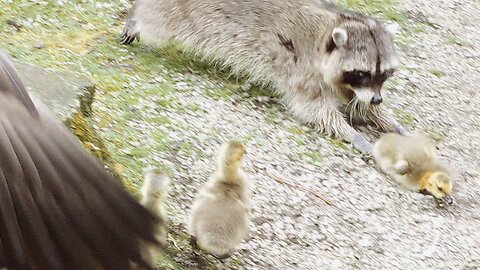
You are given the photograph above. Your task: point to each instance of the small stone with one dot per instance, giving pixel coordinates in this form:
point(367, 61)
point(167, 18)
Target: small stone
point(378, 249)
point(365, 242)
point(39, 45)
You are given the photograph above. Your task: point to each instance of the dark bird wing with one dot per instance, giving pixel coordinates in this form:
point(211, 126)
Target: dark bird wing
point(59, 208)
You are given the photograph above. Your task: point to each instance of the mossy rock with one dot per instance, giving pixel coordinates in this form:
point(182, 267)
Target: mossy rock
point(70, 95)
point(65, 93)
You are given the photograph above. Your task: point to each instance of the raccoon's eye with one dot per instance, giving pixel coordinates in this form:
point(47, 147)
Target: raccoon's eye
point(357, 78)
point(361, 74)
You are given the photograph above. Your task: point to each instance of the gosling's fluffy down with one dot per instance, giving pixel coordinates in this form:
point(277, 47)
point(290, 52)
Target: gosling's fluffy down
point(154, 194)
point(414, 163)
point(219, 219)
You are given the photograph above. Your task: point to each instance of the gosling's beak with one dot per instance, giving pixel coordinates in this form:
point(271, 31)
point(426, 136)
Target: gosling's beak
point(448, 199)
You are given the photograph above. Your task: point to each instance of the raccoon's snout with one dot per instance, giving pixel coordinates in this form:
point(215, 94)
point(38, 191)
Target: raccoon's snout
point(376, 99)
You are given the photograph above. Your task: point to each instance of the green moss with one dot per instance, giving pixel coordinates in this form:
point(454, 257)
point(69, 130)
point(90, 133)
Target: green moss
point(437, 72)
point(313, 158)
point(433, 133)
point(92, 142)
point(404, 118)
point(457, 41)
point(383, 8)
point(296, 130)
point(340, 144)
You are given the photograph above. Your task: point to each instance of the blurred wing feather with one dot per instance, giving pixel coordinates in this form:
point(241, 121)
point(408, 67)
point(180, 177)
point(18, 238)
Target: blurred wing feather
point(59, 208)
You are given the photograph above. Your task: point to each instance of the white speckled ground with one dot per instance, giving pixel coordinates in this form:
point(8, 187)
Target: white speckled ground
point(374, 224)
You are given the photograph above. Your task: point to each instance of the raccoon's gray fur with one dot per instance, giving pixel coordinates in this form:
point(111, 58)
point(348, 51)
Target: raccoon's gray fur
point(319, 58)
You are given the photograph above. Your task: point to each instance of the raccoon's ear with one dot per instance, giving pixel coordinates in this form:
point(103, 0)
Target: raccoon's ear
point(339, 36)
point(392, 28)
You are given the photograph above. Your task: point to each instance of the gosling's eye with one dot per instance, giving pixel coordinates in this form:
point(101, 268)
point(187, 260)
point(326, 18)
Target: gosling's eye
point(440, 189)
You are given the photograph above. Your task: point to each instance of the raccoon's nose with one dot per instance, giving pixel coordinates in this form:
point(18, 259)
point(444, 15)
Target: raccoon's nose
point(376, 99)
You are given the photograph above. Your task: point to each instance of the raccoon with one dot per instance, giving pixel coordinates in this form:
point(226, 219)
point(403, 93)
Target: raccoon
point(328, 64)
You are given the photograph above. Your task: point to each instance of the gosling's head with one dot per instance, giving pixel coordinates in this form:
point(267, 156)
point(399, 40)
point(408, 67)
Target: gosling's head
point(232, 154)
point(155, 184)
point(439, 185)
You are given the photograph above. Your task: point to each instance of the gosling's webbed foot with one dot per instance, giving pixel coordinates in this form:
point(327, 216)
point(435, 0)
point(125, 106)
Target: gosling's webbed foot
point(127, 37)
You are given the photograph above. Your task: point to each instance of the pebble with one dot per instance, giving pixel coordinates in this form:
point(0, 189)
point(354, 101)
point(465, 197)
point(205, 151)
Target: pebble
point(39, 45)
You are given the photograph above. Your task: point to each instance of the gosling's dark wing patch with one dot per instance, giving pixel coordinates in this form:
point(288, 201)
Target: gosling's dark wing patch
point(59, 208)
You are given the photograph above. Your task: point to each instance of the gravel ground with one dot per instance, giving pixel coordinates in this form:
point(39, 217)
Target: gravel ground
point(372, 224)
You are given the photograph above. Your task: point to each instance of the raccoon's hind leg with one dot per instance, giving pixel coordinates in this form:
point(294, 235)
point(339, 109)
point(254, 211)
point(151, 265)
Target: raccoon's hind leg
point(385, 121)
point(324, 114)
point(128, 34)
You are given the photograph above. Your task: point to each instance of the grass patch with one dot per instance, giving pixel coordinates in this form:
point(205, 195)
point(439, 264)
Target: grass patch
point(340, 144)
point(385, 9)
point(433, 133)
point(313, 158)
point(437, 73)
point(452, 40)
point(404, 118)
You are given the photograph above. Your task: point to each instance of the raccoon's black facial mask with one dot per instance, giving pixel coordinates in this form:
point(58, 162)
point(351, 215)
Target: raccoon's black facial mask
point(364, 79)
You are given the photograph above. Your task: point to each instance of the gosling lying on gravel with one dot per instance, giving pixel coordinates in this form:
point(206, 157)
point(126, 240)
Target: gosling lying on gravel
point(220, 214)
point(154, 194)
point(413, 162)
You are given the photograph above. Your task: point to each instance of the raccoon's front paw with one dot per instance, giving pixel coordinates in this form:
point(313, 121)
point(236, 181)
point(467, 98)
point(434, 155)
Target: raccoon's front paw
point(402, 130)
point(361, 144)
point(127, 37)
